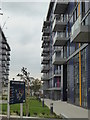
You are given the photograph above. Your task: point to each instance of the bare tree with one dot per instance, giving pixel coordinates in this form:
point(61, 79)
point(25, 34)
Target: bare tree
point(25, 77)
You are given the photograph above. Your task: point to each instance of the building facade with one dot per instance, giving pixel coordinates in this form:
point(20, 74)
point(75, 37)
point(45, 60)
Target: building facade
point(4, 63)
point(66, 49)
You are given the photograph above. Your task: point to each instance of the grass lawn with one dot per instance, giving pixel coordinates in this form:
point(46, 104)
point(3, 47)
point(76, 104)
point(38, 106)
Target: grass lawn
point(35, 109)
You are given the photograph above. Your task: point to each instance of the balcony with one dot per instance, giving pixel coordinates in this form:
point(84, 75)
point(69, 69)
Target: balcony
point(60, 22)
point(8, 58)
point(45, 44)
point(6, 73)
point(57, 48)
point(60, 6)
point(8, 63)
point(46, 23)
point(44, 54)
point(46, 31)
point(46, 38)
point(3, 65)
point(46, 50)
point(45, 87)
point(4, 58)
point(60, 39)
point(4, 46)
point(80, 33)
point(45, 68)
point(45, 77)
point(3, 52)
point(8, 53)
point(57, 73)
point(7, 68)
point(3, 70)
point(45, 60)
point(58, 60)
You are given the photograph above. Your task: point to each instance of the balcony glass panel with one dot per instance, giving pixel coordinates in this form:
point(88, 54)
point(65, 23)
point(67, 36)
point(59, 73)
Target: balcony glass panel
point(81, 29)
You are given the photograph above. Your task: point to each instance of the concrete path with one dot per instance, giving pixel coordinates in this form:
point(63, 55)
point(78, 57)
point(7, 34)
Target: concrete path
point(4, 117)
point(67, 110)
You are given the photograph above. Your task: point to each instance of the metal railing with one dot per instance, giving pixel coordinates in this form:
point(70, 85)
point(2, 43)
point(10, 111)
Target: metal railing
point(46, 29)
point(46, 49)
point(60, 35)
point(79, 22)
point(45, 67)
point(58, 48)
point(57, 72)
point(45, 76)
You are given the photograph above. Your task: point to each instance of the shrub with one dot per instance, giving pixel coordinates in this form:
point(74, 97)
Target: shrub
point(35, 114)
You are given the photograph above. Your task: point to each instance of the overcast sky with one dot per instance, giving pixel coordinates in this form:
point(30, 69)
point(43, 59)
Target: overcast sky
point(23, 31)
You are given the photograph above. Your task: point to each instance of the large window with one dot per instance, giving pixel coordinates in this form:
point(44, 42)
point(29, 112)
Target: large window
point(76, 79)
point(68, 81)
point(84, 78)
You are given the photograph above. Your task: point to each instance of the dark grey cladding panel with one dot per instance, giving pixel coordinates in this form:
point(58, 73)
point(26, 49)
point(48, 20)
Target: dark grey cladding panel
point(88, 74)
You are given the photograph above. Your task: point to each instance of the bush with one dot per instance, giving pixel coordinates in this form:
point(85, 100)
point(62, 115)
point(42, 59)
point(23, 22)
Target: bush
point(43, 113)
point(35, 114)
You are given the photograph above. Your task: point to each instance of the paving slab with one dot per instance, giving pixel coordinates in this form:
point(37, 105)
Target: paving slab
point(67, 110)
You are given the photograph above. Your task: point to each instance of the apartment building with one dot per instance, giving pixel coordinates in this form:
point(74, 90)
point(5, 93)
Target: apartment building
point(66, 49)
point(4, 63)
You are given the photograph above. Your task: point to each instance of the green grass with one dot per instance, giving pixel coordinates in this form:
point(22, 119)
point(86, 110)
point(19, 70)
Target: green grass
point(35, 109)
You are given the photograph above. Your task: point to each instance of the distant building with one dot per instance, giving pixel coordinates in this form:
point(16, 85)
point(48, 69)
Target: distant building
point(66, 52)
point(4, 62)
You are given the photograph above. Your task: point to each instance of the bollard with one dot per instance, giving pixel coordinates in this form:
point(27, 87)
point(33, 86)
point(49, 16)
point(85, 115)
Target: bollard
point(51, 108)
point(43, 103)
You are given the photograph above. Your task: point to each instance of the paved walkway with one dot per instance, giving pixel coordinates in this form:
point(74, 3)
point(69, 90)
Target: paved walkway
point(67, 110)
point(4, 117)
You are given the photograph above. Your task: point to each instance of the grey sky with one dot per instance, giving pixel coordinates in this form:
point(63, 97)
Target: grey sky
point(23, 32)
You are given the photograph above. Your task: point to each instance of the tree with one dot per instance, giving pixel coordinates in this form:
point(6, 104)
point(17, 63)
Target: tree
point(36, 85)
point(25, 76)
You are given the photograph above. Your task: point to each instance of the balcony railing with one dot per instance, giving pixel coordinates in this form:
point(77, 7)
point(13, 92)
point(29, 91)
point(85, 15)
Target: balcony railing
point(60, 22)
point(57, 48)
point(45, 86)
point(80, 31)
point(8, 63)
point(45, 77)
point(45, 60)
point(46, 49)
point(8, 53)
point(4, 58)
point(46, 31)
point(46, 38)
point(3, 46)
point(57, 85)
point(76, 24)
point(57, 72)
point(58, 59)
point(44, 54)
point(7, 68)
point(45, 44)
point(45, 68)
point(60, 39)
point(3, 52)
